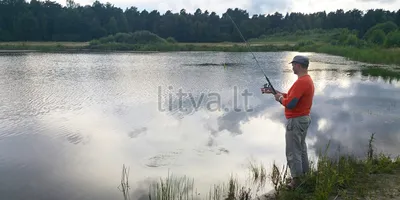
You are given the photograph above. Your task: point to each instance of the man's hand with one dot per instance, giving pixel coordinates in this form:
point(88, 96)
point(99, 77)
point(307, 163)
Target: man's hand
point(278, 97)
point(268, 90)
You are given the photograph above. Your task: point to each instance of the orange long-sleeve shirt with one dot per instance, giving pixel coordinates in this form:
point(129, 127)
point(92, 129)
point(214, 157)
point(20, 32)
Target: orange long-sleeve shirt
point(298, 100)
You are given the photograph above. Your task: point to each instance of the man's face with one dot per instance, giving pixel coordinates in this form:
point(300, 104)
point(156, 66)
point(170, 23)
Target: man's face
point(295, 68)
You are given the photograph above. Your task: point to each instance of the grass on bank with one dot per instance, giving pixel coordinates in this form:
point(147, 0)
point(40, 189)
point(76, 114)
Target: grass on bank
point(43, 46)
point(67, 44)
point(369, 55)
point(387, 74)
point(375, 47)
point(336, 177)
point(345, 177)
point(373, 55)
point(163, 47)
point(316, 35)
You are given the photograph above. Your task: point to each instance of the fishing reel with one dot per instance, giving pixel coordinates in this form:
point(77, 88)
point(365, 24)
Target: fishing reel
point(269, 87)
point(266, 86)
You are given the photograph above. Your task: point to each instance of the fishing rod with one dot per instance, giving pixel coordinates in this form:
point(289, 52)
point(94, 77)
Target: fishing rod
point(267, 85)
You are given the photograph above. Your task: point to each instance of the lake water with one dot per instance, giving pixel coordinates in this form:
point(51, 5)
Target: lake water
point(69, 122)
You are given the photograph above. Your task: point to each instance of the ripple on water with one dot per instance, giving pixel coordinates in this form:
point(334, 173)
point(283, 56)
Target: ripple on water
point(174, 158)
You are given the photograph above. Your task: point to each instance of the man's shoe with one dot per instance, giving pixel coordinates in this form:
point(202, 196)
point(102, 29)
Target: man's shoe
point(293, 184)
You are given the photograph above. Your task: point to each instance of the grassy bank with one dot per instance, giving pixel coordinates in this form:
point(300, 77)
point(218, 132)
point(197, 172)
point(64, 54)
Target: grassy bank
point(373, 55)
point(387, 74)
point(368, 55)
point(84, 46)
point(339, 42)
point(376, 176)
point(43, 46)
point(347, 177)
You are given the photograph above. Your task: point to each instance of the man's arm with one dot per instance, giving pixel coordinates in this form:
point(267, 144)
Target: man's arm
point(283, 94)
point(290, 101)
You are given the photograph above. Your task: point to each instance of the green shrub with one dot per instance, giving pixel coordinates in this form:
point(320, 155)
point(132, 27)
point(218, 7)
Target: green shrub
point(107, 39)
point(305, 43)
point(262, 36)
point(386, 27)
point(146, 37)
point(171, 40)
point(122, 37)
point(352, 40)
point(393, 39)
point(138, 37)
point(377, 37)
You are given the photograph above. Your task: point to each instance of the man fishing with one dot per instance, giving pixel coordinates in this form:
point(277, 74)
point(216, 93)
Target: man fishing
point(297, 103)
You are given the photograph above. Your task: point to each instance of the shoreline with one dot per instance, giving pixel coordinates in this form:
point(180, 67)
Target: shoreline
point(378, 56)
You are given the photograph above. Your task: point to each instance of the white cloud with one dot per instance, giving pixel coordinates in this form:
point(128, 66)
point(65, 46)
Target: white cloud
point(333, 5)
point(252, 6)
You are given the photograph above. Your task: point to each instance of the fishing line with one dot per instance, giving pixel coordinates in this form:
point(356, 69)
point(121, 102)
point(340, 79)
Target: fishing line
point(267, 85)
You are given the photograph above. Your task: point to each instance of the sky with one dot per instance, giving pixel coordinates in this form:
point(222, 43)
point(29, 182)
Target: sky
point(252, 6)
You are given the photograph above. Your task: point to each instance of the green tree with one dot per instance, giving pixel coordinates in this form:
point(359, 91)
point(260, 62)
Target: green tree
point(48, 20)
point(352, 40)
point(377, 37)
point(385, 27)
point(393, 39)
point(112, 26)
point(123, 23)
point(26, 27)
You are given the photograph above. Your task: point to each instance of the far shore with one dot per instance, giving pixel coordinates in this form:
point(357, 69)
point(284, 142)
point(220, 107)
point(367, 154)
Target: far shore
point(379, 56)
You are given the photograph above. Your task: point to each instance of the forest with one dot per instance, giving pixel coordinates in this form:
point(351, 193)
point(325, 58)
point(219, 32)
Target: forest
point(50, 21)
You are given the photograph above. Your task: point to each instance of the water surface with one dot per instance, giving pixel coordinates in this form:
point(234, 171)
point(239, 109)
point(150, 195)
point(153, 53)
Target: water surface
point(70, 121)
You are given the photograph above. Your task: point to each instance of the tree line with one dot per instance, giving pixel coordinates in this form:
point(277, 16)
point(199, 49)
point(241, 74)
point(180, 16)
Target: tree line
point(50, 21)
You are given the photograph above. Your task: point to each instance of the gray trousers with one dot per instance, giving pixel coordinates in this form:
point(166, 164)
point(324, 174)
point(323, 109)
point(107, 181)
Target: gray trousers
point(296, 147)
